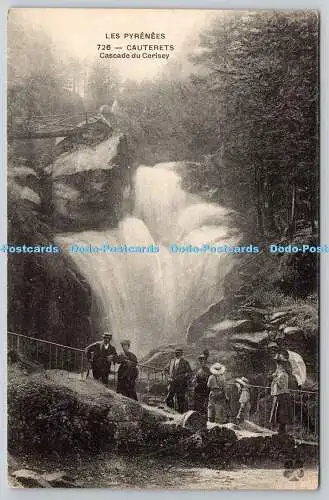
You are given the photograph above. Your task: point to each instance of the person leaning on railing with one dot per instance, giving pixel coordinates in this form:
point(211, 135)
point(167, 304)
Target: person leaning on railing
point(100, 356)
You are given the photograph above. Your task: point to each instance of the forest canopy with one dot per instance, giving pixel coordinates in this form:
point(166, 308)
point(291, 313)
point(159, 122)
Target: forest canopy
point(248, 113)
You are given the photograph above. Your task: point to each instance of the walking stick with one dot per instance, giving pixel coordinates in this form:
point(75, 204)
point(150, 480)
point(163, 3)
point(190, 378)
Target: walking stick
point(273, 409)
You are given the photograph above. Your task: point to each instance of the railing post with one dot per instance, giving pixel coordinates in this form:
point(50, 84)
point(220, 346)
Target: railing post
point(294, 411)
point(82, 365)
point(301, 411)
point(49, 361)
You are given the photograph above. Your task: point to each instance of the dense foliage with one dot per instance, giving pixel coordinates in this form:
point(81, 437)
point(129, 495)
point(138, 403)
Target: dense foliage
point(249, 112)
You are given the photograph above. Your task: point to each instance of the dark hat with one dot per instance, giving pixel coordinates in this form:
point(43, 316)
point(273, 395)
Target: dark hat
point(273, 345)
point(107, 335)
point(202, 356)
point(125, 342)
point(282, 356)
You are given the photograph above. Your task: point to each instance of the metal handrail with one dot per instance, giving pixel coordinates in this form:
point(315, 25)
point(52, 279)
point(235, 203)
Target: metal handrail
point(150, 374)
point(290, 390)
point(143, 365)
point(46, 342)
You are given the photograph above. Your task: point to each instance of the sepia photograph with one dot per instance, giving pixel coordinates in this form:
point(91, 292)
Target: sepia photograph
point(163, 249)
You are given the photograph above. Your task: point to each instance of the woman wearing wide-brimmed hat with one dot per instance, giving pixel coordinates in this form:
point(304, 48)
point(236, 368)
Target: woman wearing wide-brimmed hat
point(217, 402)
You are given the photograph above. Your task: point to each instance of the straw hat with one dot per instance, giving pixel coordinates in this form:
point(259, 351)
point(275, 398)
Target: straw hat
point(107, 335)
point(217, 369)
point(243, 381)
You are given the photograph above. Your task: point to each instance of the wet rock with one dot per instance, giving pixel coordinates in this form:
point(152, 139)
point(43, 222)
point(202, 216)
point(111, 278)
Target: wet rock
point(256, 339)
point(192, 420)
point(253, 313)
point(219, 332)
point(280, 317)
point(89, 185)
point(292, 330)
point(30, 479)
point(59, 480)
point(236, 326)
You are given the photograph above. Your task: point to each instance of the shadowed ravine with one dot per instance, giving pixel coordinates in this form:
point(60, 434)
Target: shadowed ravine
point(153, 297)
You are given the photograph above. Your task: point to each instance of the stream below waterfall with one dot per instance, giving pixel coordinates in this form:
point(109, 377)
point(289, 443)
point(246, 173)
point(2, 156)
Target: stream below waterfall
point(152, 298)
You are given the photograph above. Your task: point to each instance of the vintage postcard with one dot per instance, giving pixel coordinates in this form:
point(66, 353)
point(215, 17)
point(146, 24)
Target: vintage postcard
point(163, 248)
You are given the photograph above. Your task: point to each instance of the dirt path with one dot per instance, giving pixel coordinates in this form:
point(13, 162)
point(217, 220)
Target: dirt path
point(118, 472)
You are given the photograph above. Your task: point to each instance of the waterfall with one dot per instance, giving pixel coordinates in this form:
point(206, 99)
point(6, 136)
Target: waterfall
point(152, 298)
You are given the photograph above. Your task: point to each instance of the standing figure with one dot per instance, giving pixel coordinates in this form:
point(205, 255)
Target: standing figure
point(101, 355)
point(244, 399)
point(217, 402)
point(179, 371)
point(280, 412)
point(127, 372)
point(201, 390)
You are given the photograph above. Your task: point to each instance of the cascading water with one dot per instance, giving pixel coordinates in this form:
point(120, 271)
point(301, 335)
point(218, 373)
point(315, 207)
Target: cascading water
point(152, 298)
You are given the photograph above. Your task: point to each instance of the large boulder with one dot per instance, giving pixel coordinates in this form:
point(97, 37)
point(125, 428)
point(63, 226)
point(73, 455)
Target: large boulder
point(218, 334)
point(89, 185)
point(249, 341)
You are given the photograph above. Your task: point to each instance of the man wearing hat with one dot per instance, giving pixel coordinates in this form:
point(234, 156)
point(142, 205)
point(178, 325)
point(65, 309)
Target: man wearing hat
point(179, 371)
point(218, 401)
point(244, 399)
point(201, 390)
point(127, 372)
point(101, 355)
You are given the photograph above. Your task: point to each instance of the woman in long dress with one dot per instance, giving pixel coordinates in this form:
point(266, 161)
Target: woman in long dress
point(201, 390)
point(281, 405)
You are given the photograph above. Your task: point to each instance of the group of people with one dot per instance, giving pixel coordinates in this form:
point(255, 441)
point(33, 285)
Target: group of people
point(102, 355)
point(226, 402)
point(211, 394)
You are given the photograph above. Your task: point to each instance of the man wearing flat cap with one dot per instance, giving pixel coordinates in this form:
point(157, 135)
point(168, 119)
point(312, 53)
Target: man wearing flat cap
point(101, 355)
point(179, 372)
point(127, 372)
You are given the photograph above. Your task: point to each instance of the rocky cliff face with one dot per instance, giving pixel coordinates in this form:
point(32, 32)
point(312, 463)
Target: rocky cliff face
point(89, 185)
point(83, 188)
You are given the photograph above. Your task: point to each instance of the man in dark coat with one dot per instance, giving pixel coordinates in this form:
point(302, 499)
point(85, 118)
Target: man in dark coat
point(179, 371)
point(127, 372)
point(101, 355)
